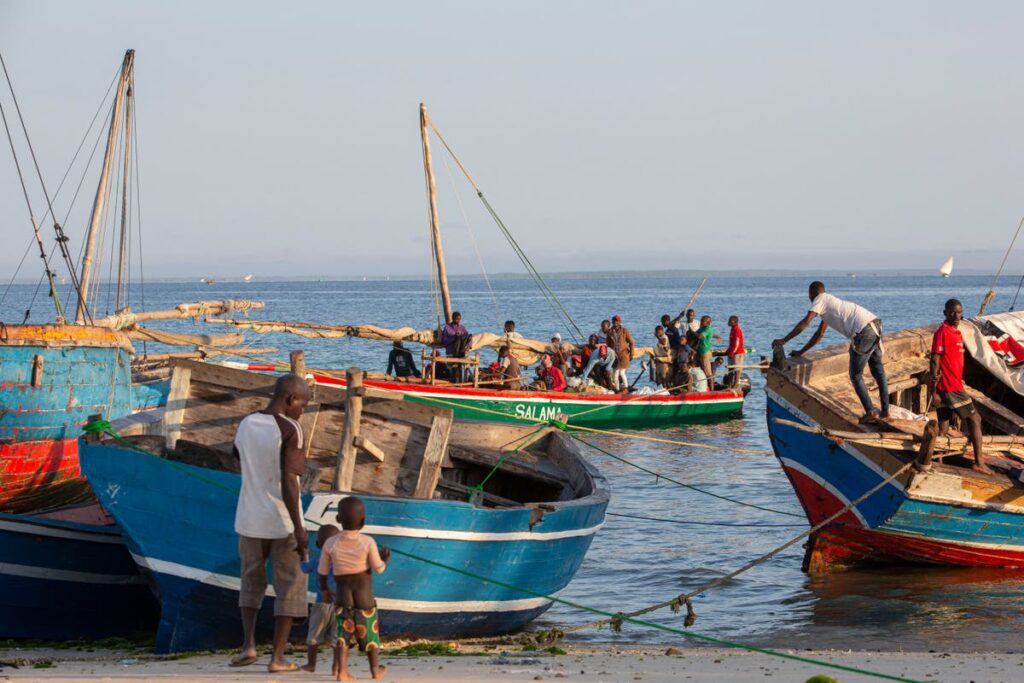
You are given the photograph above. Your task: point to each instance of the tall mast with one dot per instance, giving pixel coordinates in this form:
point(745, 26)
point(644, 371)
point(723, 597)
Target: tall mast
point(123, 255)
point(101, 191)
point(435, 225)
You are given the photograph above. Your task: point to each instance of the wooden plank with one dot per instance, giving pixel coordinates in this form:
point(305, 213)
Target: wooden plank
point(433, 457)
point(1000, 417)
point(181, 378)
point(353, 415)
point(368, 447)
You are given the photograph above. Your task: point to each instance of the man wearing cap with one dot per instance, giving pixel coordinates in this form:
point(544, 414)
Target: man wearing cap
point(621, 340)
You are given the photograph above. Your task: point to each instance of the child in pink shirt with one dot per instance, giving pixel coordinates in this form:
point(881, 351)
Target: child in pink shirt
point(352, 555)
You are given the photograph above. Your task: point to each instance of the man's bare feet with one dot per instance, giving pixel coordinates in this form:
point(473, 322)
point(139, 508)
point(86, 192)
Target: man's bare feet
point(344, 676)
point(379, 673)
point(282, 667)
point(309, 668)
point(982, 467)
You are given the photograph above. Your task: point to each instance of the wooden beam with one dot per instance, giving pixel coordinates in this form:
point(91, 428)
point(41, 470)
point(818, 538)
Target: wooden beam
point(297, 360)
point(177, 397)
point(37, 371)
point(433, 457)
point(364, 444)
point(353, 416)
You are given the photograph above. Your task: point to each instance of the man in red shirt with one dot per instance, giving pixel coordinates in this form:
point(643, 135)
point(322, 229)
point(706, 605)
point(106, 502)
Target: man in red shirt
point(947, 375)
point(737, 354)
point(550, 375)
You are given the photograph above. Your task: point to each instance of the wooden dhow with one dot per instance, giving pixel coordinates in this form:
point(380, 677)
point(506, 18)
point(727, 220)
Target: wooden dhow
point(936, 509)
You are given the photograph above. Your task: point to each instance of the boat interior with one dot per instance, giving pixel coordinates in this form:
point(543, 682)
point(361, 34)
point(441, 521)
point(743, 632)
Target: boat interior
point(823, 375)
point(397, 448)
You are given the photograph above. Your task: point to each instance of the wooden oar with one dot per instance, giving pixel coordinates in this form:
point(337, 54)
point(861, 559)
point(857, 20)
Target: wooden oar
point(692, 298)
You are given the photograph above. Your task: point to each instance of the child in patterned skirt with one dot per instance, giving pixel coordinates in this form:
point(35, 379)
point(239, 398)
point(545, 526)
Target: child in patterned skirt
point(352, 555)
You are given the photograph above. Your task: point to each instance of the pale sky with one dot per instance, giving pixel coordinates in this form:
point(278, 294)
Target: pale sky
point(282, 138)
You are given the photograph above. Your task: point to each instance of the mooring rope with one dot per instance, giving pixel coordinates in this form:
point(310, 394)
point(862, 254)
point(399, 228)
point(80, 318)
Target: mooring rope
point(685, 598)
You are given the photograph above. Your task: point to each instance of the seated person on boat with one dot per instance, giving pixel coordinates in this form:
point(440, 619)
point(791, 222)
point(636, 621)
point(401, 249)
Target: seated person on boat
point(698, 379)
point(560, 353)
point(549, 377)
point(600, 359)
point(456, 340)
point(401, 363)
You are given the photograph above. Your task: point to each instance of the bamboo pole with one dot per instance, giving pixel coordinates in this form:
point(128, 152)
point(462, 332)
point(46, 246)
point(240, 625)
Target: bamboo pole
point(125, 319)
point(435, 223)
point(101, 190)
point(125, 188)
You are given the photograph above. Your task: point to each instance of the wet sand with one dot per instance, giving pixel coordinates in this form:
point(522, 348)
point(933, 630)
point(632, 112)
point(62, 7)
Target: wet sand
point(583, 665)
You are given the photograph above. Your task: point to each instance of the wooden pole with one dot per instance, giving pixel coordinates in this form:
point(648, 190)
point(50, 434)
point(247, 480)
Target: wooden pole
point(689, 303)
point(120, 321)
point(101, 191)
point(435, 224)
point(123, 254)
point(298, 363)
point(346, 465)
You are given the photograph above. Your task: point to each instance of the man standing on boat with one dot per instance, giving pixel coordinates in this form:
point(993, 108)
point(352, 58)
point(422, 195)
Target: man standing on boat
point(737, 353)
point(864, 330)
point(620, 339)
point(268, 518)
point(455, 338)
point(946, 372)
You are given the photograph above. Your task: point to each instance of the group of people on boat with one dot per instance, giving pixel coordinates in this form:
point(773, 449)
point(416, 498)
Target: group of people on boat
point(863, 328)
point(683, 358)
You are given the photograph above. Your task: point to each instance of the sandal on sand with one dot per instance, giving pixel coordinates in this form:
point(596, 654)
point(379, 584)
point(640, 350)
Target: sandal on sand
point(242, 660)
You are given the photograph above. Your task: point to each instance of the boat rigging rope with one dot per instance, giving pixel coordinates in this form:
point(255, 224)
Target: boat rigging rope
point(42, 183)
point(548, 293)
point(688, 522)
point(991, 294)
point(1019, 285)
point(97, 427)
point(685, 598)
point(472, 239)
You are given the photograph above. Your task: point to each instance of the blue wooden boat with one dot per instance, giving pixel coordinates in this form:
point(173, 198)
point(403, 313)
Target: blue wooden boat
point(940, 512)
point(66, 574)
point(530, 526)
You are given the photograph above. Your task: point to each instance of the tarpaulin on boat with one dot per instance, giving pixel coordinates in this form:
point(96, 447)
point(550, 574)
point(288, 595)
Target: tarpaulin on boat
point(997, 342)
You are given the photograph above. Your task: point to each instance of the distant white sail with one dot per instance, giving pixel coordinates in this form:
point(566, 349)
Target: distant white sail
point(947, 267)
point(247, 278)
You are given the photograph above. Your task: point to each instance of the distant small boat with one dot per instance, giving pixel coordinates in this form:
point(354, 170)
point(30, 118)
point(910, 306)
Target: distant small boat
point(247, 278)
point(946, 267)
point(851, 275)
point(210, 281)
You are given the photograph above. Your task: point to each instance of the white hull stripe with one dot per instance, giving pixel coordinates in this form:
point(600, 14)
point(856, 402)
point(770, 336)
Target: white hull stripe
point(561, 402)
point(861, 458)
point(234, 583)
point(48, 574)
point(60, 532)
point(786, 462)
point(445, 535)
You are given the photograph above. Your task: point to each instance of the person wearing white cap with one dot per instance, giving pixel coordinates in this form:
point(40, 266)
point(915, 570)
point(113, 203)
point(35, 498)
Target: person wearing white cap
point(560, 353)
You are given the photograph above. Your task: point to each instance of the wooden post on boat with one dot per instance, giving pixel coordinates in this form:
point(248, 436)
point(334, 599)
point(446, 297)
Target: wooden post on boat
point(297, 360)
point(123, 255)
point(435, 223)
point(433, 456)
point(924, 453)
point(353, 416)
point(101, 192)
point(177, 397)
point(476, 370)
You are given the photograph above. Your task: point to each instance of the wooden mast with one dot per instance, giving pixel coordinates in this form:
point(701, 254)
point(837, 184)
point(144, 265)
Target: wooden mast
point(101, 191)
point(123, 256)
point(435, 226)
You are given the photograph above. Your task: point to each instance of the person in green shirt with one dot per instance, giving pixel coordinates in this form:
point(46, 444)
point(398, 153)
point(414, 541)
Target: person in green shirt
point(704, 336)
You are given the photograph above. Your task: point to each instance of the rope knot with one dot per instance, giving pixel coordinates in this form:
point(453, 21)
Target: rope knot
point(616, 622)
point(559, 424)
point(96, 427)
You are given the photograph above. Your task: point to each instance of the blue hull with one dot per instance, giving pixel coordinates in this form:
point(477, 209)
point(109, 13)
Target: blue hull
point(179, 522)
point(65, 581)
point(889, 526)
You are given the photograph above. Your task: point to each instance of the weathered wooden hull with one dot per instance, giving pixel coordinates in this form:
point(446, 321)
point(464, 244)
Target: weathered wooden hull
point(937, 518)
point(52, 377)
point(603, 411)
point(65, 580)
point(179, 522)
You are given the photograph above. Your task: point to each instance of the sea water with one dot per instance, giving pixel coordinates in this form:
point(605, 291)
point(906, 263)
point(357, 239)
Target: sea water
point(633, 563)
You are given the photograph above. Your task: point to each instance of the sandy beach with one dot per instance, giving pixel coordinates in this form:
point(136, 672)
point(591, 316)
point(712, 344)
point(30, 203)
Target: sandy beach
point(584, 665)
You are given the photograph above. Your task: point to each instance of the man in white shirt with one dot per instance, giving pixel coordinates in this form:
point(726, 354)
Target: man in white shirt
point(862, 328)
point(268, 518)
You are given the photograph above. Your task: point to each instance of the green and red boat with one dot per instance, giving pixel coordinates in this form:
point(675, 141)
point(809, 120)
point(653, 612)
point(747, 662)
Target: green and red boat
point(602, 411)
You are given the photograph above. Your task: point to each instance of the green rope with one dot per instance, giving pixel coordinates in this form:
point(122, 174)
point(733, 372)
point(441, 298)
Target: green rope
point(479, 488)
point(658, 475)
point(548, 293)
point(103, 427)
point(651, 624)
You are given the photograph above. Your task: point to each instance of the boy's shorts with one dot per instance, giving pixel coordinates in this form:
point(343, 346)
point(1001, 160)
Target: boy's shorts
point(322, 625)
